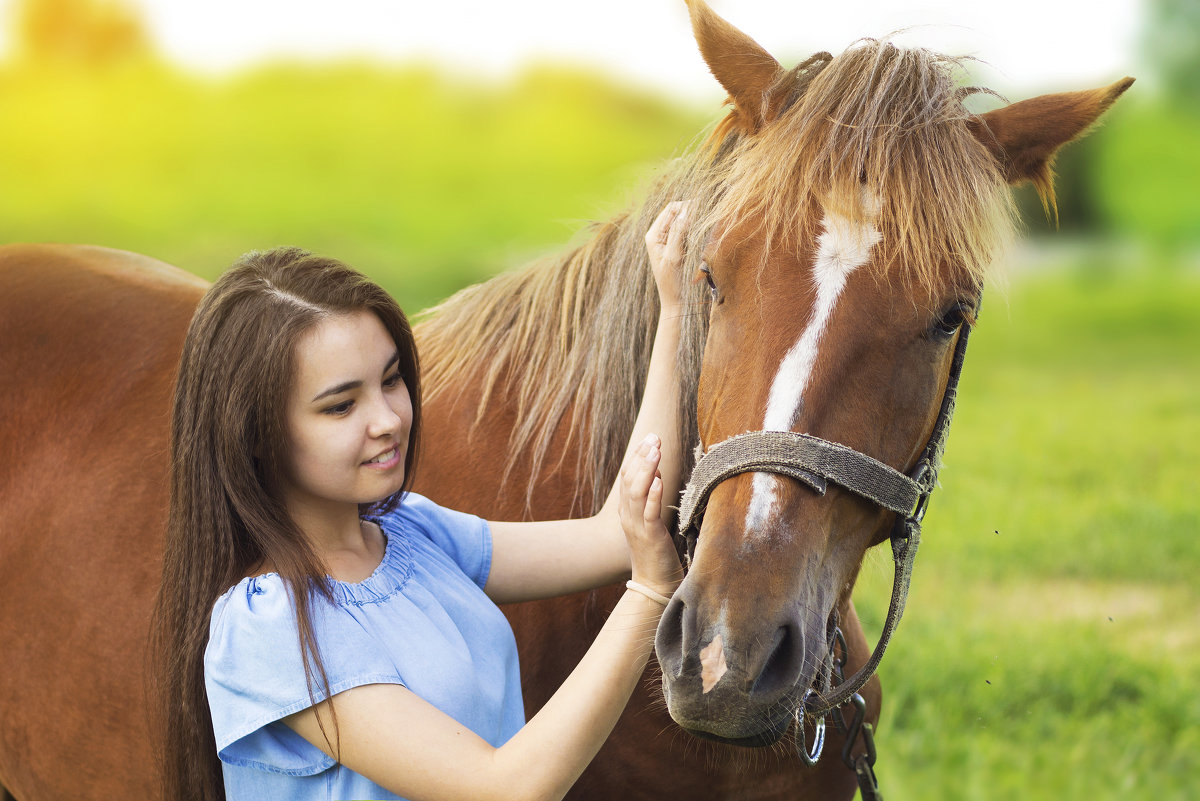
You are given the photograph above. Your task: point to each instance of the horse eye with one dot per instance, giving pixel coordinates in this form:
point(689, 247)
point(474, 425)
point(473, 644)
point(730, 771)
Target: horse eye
point(712, 287)
point(950, 321)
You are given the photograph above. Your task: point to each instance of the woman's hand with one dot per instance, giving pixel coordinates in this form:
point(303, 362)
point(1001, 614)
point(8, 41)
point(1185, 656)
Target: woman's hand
point(654, 559)
point(664, 243)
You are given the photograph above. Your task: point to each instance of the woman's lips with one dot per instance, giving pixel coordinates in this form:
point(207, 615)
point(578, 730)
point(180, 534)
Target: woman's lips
point(388, 459)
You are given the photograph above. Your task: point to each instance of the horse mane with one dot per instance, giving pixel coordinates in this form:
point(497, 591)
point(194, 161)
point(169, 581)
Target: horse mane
point(569, 337)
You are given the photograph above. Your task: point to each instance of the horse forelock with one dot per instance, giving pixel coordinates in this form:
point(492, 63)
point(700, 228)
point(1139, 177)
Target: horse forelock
point(887, 119)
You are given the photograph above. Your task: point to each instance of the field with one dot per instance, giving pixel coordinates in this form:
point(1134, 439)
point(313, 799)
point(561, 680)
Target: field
point(1051, 647)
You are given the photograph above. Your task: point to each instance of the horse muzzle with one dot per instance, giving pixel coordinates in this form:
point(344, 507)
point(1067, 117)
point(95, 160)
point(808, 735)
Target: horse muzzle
point(739, 678)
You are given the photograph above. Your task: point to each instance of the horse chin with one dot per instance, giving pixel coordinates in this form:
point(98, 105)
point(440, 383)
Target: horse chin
point(765, 738)
point(757, 727)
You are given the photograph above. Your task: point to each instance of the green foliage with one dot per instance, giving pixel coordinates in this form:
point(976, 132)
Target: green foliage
point(1150, 159)
point(1171, 43)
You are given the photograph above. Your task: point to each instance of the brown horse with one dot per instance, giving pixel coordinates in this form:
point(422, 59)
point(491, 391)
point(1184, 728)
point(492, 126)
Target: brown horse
point(846, 211)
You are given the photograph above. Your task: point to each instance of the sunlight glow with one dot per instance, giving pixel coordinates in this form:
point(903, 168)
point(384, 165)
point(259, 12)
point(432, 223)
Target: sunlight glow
point(1030, 44)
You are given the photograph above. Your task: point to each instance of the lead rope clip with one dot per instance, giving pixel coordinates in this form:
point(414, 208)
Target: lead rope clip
point(810, 757)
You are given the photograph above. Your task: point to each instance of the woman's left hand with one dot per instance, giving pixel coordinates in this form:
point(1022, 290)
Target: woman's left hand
point(664, 243)
point(653, 558)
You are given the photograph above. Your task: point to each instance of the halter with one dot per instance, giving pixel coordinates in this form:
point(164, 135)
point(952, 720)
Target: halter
point(814, 461)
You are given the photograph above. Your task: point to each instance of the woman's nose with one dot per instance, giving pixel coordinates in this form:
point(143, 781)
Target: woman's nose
point(384, 420)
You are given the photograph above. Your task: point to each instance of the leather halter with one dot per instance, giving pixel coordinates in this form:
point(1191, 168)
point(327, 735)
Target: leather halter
point(813, 461)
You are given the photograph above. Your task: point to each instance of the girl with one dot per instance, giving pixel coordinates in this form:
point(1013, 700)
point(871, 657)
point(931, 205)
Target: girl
point(327, 634)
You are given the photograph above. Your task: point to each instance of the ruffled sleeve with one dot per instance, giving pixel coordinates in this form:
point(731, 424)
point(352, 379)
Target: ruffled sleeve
point(465, 538)
point(254, 675)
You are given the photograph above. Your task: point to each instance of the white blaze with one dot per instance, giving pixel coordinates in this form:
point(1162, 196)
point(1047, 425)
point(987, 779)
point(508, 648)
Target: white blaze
point(844, 246)
point(712, 664)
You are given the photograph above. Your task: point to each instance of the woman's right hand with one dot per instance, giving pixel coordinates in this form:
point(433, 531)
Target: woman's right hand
point(654, 558)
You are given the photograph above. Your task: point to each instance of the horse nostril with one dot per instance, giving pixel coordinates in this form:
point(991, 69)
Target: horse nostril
point(782, 666)
point(675, 628)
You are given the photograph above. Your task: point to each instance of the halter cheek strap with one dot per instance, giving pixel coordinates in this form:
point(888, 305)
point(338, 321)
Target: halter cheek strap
point(814, 461)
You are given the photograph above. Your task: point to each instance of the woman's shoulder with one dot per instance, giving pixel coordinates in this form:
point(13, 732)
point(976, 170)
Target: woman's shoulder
point(259, 603)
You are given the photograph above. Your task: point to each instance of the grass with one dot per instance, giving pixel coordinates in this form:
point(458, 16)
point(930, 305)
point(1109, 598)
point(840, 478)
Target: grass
point(1051, 646)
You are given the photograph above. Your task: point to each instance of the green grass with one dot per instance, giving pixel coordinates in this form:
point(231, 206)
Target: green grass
point(1051, 647)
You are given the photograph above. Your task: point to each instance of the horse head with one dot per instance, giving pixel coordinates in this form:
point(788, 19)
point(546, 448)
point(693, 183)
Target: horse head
point(856, 207)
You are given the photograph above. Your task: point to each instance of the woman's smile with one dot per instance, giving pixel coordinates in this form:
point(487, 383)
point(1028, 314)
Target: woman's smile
point(386, 460)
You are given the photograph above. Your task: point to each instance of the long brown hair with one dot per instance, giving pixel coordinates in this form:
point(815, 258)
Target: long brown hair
point(228, 449)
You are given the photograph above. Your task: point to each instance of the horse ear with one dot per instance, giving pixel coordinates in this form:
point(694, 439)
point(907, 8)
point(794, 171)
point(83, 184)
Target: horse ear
point(1025, 136)
point(739, 63)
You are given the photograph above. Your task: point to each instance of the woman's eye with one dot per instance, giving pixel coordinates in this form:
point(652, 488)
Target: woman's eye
point(340, 409)
point(392, 380)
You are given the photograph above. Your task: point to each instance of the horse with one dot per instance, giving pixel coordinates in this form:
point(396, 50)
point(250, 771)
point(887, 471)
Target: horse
point(844, 215)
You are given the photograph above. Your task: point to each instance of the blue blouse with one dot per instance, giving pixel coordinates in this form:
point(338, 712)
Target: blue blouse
point(420, 620)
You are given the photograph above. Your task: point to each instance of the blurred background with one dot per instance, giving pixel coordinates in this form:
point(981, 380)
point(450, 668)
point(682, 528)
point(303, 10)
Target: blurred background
point(1052, 645)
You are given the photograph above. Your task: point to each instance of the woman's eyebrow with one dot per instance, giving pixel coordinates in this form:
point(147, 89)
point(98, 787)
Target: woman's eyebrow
point(340, 388)
point(395, 358)
point(349, 385)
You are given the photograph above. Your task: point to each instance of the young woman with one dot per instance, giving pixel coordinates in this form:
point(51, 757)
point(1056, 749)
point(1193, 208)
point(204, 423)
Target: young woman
point(327, 634)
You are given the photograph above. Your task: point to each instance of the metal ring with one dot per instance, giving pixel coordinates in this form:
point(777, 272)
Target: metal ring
point(810, 757)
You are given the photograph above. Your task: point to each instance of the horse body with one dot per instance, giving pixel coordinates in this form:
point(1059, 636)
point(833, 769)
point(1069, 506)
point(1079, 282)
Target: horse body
point(90, 340)
point(837, 289)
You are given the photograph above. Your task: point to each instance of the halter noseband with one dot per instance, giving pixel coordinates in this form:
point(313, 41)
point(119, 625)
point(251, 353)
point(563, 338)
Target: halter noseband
point(813, 461)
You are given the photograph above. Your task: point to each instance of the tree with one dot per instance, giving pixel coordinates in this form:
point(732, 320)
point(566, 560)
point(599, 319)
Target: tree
point(1171, 44)
point(87, 33)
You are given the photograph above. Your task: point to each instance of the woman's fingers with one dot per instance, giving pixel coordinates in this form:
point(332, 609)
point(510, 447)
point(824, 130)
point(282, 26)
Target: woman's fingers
point(630, 466)
point(676, 234)
point(665, 238)
point(653, 510)
point(643, 474)
point(637, 476)
point(654, 561)
point(659, 233)
point(665, 242)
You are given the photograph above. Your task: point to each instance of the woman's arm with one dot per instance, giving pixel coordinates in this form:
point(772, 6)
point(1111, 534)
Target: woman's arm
point(544, 559)
point(400, 742)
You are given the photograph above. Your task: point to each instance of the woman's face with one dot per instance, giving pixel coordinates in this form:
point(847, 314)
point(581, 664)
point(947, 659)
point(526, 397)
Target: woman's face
point(348, 414)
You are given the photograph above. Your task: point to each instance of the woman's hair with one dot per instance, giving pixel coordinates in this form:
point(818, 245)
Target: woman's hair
point(228, 452)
